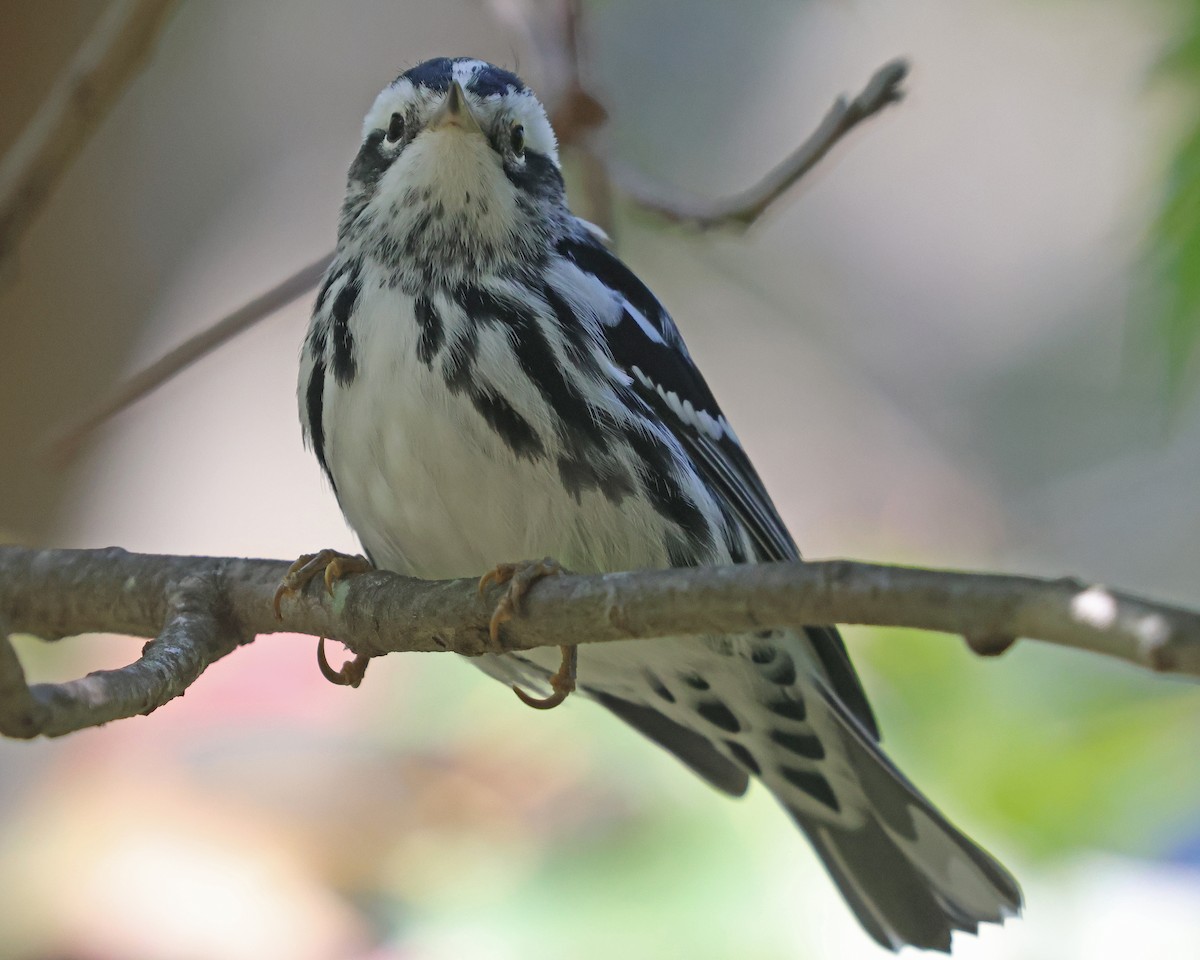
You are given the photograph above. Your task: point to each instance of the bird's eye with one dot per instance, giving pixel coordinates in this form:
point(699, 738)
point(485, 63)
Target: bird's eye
point(395, 128)
point(516, 139)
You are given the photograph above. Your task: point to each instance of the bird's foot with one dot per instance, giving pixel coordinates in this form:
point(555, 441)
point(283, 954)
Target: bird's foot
point(562, 683)
point(333, 566)
point(331, 563)
point(520, 577)
point(350, 675)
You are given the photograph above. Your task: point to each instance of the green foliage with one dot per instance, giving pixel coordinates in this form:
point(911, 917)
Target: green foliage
point(1043, 749)
point(1174, 255)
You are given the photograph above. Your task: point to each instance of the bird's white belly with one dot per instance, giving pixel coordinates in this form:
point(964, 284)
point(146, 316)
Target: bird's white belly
point(433, 491)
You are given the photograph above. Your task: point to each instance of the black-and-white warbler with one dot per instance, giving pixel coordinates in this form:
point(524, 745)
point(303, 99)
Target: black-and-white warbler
point(484, 380)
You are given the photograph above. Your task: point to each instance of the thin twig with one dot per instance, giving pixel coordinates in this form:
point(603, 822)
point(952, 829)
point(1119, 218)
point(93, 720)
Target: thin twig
point(742, 209)
point(66, 445)
point(78, 102)
point(59, 593)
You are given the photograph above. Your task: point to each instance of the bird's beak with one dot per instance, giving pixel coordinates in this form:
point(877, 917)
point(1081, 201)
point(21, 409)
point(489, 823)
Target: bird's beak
point(455, 111)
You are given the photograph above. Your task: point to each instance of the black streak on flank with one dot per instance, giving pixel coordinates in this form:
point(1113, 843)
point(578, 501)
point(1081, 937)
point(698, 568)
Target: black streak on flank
point(580, 473)
point(330, 277)
point(801, 744)
point(314, 401)
point(343, 340)
point(813, 784)
point(719, 715)
point(513, 428)
point(536, 358)
point(459, 366)
point(663, 490)
point(432, 335)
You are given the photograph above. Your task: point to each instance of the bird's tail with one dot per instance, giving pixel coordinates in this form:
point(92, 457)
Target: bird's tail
point(909, 875)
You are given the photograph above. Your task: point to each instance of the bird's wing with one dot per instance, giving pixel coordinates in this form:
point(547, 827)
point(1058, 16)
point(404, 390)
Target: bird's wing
point(645, 342)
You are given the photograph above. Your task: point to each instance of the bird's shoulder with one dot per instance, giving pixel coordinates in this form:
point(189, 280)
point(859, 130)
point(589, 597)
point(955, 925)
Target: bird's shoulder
point(645, 344)
point(662, 377)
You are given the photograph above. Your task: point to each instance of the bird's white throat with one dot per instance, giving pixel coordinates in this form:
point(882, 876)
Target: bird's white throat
point(449, 180)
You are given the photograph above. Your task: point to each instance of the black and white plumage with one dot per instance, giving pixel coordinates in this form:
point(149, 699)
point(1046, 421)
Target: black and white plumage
point(483, 380)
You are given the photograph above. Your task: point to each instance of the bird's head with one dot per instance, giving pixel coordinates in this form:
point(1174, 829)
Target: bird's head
point(458, 171)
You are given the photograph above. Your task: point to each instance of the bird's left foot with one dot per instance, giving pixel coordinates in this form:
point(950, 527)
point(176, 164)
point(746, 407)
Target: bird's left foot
point(520, 577)
point(333, 566)
point(352, 672)
point(562, 683)
point(331, 563)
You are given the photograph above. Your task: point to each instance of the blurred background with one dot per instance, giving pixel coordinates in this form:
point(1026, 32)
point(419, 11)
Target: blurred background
point(966, 340)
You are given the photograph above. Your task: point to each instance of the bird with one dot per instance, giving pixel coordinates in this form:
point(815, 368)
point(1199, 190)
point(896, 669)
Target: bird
point(484, 380)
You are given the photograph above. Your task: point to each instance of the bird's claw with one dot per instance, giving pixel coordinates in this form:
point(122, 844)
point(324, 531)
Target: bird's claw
point(332, 566)
point(519, 577)
point(350, 675)
point(562, 683)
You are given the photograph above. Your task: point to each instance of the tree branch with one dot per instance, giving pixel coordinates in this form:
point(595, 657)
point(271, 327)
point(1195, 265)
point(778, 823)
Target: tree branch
point(74, 109)
point(200, 609)
point(742, 209)
point(193, 635)
point(65, 446)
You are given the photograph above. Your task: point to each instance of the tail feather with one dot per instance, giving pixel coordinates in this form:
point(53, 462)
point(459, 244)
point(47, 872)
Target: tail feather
point(889, 894)
point(909, 875)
